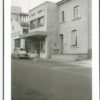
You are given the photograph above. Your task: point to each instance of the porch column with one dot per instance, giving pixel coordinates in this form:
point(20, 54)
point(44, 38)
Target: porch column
point(22, 43)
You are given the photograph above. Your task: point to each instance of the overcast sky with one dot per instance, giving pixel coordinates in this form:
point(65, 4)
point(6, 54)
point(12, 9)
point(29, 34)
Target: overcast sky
point(28, 4)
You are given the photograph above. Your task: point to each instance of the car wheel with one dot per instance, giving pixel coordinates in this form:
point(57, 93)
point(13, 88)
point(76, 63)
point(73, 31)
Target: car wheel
point(18, 56)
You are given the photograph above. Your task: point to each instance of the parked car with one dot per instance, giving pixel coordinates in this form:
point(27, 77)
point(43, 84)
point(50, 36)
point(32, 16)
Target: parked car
point(20, 53)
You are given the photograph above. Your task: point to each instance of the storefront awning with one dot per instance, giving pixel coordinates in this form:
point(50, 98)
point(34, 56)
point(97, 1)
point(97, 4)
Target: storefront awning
point(34, 34)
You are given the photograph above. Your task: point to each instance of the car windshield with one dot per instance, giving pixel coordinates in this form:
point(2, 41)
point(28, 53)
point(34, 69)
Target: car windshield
point(22, 49)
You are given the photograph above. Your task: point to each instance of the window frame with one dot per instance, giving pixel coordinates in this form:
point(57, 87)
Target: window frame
point(76, 12)
point(25, 29)
point(38, 21)
point(63, 16)
point(33, 26)
point(75, 40)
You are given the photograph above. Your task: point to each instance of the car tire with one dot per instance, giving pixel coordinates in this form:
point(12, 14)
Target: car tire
point(18, 56)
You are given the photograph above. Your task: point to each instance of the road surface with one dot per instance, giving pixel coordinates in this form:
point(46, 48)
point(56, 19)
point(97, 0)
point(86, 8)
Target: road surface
point(48, 80)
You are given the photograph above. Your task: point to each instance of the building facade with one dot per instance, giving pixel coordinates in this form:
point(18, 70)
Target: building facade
point(60, 30)
point(43, 30)
point(75, 28)
point(20, 26)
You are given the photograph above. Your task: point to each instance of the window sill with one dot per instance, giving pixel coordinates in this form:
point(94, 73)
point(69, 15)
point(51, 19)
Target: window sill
point(76, 18)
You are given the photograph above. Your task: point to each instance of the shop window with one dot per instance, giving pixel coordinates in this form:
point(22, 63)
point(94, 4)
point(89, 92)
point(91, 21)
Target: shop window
point(76, 12)
point(74, 38)
point(25, 31)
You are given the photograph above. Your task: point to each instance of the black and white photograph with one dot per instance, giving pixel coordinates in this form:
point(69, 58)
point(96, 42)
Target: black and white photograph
point(51, 50)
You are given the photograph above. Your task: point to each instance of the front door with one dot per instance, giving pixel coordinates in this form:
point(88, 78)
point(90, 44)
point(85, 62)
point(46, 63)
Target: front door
point(61, 43)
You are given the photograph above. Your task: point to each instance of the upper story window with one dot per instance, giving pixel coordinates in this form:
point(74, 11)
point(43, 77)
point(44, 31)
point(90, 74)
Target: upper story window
point(74, 38)
point(33, 24)
point(76, 12)
point(40, 22)
point(25, 31)
point(63, 16)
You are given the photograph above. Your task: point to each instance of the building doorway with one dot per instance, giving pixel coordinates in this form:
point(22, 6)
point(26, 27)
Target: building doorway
point(61, 43)
point(36, 46)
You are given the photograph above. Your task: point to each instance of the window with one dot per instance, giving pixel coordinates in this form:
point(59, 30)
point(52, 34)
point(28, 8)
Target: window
point(40, 21)
point(17, 43)
point(63, 16)
point(74, 38)
point(76, 12)
point(33, 24)
point(25, 31)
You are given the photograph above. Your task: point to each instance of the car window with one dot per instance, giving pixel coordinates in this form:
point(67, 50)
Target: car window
point(22, 49)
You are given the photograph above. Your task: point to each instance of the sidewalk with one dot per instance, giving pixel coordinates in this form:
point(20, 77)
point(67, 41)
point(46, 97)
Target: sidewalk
point(85, 63)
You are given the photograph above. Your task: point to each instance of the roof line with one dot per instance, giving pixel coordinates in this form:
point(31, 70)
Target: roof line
point(39, 5)
point(62, 1)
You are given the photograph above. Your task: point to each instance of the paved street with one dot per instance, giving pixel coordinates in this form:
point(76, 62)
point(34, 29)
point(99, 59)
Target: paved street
point(48, 80)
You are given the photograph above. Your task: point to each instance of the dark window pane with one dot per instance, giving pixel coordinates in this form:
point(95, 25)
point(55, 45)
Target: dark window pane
point(74, 38)
point(63, 15)
point(25, 31)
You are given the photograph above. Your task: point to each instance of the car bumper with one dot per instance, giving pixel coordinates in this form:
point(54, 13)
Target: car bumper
point(23, 56)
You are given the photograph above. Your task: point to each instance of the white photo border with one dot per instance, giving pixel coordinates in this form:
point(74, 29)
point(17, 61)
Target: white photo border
point(7, 50)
